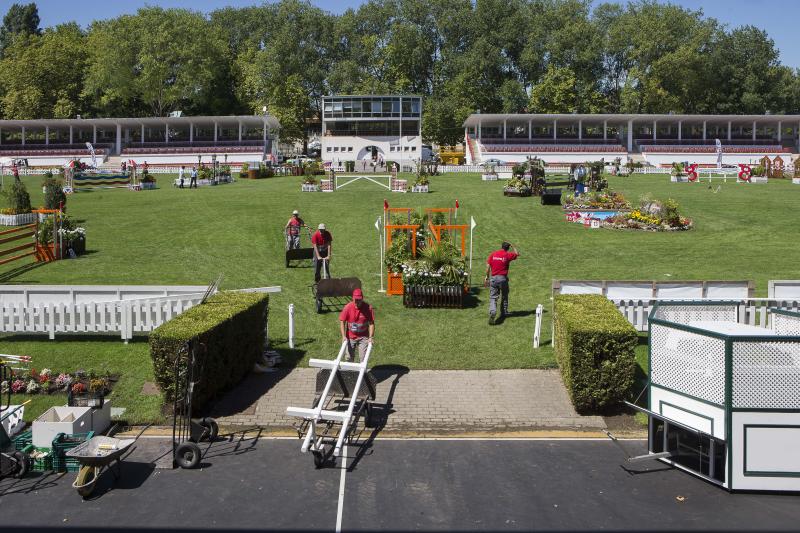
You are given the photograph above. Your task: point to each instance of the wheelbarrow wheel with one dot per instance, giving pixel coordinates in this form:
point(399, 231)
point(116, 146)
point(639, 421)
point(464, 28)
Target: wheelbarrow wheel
point(187, 455)
point(287, 261)
point(319, 305)
point(319, 459)
point(212, 428)
point(23, 464)
point(87, 479)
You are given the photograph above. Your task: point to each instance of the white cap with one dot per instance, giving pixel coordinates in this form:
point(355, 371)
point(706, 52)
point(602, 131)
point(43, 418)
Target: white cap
point(322, 226)
point(295, 212)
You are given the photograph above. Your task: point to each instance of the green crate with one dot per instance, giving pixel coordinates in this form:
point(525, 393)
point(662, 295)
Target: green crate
point(41, 464)
point(23, 440)
point(63, 443)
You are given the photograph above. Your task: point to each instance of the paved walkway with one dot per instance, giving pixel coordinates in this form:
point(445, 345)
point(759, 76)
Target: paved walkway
point(421, 400)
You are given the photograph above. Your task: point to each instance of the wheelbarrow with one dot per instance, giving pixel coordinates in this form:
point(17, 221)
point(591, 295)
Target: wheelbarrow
point(299, 253)
point(337, 292)
point(95, 456)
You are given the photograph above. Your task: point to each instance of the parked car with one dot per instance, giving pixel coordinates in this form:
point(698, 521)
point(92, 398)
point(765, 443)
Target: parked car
point(495, 162)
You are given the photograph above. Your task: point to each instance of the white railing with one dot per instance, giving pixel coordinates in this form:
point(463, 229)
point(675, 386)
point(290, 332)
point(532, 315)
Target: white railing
point(66, 294)
point(125, 318)
point(752, 311)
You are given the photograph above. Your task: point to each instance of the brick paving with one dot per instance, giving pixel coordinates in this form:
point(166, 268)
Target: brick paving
point(420, 400)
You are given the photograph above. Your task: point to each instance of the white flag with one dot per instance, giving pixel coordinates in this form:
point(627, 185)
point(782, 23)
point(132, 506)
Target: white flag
point(378, 224)
point(472, 223)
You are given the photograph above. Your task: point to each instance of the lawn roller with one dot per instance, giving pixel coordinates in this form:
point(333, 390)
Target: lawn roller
point(338, 290)
point(299, 253)
point(188, 431)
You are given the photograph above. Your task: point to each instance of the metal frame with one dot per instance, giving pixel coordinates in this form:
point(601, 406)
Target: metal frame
point(336, 177)
point(315, 436)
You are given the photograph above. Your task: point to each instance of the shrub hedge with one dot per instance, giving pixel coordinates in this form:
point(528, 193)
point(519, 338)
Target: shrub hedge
point(231, 326)
point(594, 347)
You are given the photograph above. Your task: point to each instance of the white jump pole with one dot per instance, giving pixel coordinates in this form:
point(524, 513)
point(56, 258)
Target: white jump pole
point(537, 332)
point(472, 225)
point(291, 326)
point(380, 247)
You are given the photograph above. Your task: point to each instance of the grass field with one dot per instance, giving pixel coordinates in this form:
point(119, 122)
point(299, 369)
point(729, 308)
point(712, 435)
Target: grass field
point(172, 236)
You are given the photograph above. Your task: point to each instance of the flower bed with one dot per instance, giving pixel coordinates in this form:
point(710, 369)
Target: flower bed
point(46, 381)
point(433, 296)
point(652, 215)
point(608, 199)
point(517, 186)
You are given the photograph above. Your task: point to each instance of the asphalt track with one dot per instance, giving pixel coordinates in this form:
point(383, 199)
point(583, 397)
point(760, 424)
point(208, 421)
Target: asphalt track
point(397, 485)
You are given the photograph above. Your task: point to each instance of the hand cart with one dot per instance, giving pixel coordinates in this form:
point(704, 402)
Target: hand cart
point(338, 290)
point(299, 253)
point(344, 392)
point(12, 462)
point(188, 431)
point(95, 456)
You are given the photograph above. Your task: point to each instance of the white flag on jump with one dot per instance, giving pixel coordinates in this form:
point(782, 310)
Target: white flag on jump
point(378, 224)
point(472, 223)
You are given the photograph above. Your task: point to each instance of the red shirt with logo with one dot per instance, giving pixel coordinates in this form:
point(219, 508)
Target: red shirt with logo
point(358, 319)
point(499, 262)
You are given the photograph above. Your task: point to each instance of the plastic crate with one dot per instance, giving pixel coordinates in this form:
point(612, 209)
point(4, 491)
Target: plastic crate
point(61, 444)
point(85, 399)
point(40, 464)
point(23, 440)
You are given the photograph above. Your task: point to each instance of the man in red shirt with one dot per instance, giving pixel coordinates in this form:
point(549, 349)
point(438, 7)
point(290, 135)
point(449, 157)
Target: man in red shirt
point(292, 230)
point(322, 241)
point(497, 267)
point(357, 325)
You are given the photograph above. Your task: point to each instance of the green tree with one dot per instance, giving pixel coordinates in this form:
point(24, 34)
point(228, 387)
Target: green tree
point(153, 62)
point(20, 20)
point(42, 75)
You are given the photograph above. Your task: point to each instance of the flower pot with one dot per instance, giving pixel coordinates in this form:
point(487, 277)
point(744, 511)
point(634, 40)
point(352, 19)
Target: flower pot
point(148, 185)
point(514, 192)
point(489, 177)
point(252, 173)
point(796, 181)
point(419, 188)
point(309, 187)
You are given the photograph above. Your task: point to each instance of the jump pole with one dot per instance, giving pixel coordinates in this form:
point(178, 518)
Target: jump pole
point(472, 225)
point(380, 246)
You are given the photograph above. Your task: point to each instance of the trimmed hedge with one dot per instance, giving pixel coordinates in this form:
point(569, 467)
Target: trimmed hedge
point(594, 347)
point(231, 325)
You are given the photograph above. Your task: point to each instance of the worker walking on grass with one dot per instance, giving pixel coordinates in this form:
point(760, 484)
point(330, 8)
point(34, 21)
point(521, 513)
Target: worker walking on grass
point(193, 180)
point(181, 174)
point(322, 241)
point(292, 230)
point(357, 326)
point(497, 278)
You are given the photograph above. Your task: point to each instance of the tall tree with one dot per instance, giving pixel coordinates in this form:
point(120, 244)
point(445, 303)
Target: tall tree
point(20, 20)
point(153, 62)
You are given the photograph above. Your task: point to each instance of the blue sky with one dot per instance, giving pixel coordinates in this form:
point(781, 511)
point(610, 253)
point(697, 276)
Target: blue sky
point(778, 17)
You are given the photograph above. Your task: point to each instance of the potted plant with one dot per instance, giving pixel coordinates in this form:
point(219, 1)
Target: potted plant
point(243, 171)
point(148, 181)
point(53, 189)
point(489, 172)
point(437, 279)
point(422, 181)
point(70, 237)
point(677, 174)
point(18, 211)
point(517, 186)
point(310, 184)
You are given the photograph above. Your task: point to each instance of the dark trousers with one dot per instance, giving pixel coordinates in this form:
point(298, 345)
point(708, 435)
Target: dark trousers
point(318, 263)
point(193, 182)
point(181, 185)
point(498, 286)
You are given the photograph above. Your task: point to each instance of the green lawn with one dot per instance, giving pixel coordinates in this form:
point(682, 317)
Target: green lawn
point(172, 236)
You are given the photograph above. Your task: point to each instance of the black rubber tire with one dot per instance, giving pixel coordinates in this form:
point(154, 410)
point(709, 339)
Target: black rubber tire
point(23, 462)
point(287, 262)
point(87, 476)
point(187, 455)
point(213, 428)
point(319, 459)
point(319, 305)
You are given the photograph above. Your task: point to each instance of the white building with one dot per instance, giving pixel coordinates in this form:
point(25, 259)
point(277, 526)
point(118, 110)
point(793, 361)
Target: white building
point(357, 128)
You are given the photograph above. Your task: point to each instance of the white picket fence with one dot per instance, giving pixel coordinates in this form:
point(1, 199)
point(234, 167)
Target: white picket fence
point(752, 311)
point(123, 317)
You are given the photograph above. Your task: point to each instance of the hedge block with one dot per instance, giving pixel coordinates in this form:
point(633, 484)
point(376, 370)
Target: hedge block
point(230, 326)
point(594, 347)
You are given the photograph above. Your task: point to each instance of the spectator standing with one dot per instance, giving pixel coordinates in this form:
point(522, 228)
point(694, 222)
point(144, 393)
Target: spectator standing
point(497, 278)
point(193, 181)
point(292, 230)
point(357, 326)
point(322, 242)
point(181, 174)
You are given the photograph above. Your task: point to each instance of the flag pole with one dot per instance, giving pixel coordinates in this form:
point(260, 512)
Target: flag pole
point(380, 247)
point(471, 228)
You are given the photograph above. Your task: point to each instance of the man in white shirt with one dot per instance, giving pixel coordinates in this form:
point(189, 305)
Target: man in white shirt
point(180, 176)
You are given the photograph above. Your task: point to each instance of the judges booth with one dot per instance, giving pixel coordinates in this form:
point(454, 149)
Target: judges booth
point(724, 396)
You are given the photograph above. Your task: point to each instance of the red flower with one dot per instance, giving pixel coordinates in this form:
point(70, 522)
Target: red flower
point(78, 388)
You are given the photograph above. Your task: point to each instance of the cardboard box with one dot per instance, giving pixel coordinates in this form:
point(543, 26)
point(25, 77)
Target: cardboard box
point(57, 420)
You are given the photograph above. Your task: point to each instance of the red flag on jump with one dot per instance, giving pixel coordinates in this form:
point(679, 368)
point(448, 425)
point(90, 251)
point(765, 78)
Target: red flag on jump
point(385, 204)
point(456, 204)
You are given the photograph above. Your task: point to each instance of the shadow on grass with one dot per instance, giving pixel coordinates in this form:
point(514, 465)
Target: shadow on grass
point(18, 271)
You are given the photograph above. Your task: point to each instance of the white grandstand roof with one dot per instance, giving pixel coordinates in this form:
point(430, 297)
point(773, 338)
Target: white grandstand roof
point(246, 120)
point(476, 118)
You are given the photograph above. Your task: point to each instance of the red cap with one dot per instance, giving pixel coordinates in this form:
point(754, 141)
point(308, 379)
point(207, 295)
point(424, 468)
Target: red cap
point(357, 294)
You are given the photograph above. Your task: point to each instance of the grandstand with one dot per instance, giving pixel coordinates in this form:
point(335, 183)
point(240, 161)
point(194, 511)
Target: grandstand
point(161, 141)
point(657, 140)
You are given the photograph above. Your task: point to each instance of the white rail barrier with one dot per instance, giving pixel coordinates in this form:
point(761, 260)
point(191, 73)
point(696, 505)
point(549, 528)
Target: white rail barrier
point(537, 331)
point(72, 294)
